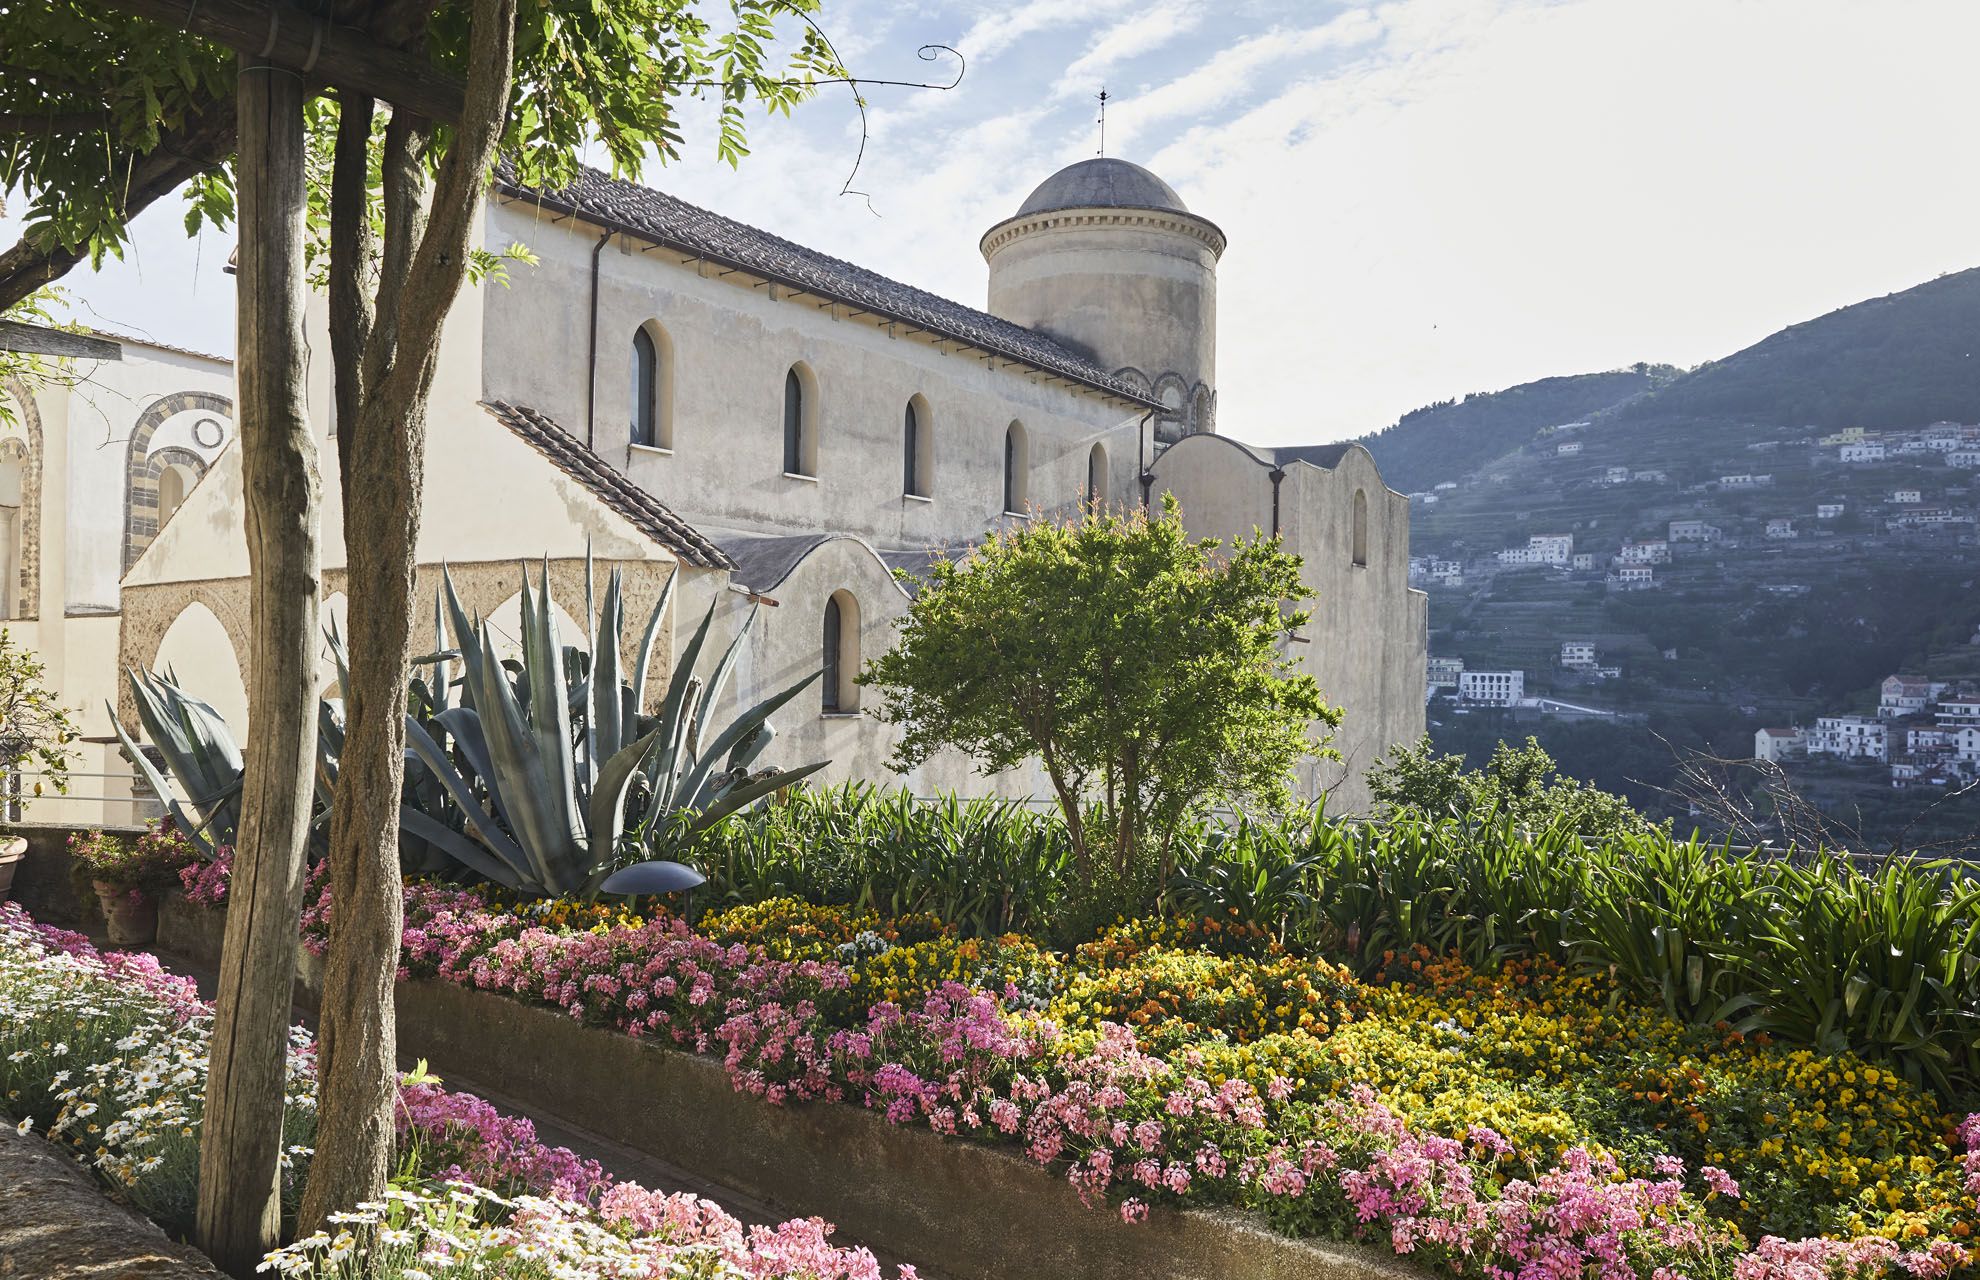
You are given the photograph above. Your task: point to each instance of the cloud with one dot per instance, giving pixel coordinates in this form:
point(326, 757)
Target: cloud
point(1145, 32)
point(1233, 72)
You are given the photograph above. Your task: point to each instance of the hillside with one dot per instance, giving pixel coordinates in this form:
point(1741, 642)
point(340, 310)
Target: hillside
point(1450, 439)
point(1901, 360)
point(1821, 577)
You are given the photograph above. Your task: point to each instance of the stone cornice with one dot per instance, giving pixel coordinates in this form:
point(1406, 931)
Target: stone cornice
point(1188, 224)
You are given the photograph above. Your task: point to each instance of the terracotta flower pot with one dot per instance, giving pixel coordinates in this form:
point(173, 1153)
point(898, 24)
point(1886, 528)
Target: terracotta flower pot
point(12, 850)
point(131, 914)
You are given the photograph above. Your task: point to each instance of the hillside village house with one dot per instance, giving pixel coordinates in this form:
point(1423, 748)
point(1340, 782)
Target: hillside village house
point(1541, 548)
point(1744, 481)
point(1828, 510)
point(1963, 457)
point(1780, 527)
point(1907, 495)
point(1848, 435)
point(1866, 451)
point(1650, 551)
point(1693, 531)
point(1777, 745)
point(1907, 695)
point(1633, 577)
point(1959, 713)
point(1577, 653)
point(1492, 688)
point(1851, 737)
point(681, 393)
point(1444, 672)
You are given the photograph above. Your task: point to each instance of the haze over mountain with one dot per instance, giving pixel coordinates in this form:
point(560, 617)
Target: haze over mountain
point(1905, 359)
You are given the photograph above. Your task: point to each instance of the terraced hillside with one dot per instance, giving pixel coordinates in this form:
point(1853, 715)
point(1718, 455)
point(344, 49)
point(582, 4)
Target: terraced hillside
point(1752, 628)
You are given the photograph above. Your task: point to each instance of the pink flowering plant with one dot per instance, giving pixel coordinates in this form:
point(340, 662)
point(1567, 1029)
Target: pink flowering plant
point(1299, 1094)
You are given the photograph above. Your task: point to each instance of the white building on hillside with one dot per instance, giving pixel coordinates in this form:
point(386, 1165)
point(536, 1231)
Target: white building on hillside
point(1693, 531)
point(1829, 510)
point(1568, 448)
point(1779, 744)
point(1649, 551)
point(1780, 527)
point(1963, 457)
point(1492, 688)
point(1633, 577)
point(1577, 653)
point(1865, 451)
point(1444, 672)
point(1958, 713)
point(1907, 695)
point(1903, 496)
point(1851, 737)
point(1745, 481)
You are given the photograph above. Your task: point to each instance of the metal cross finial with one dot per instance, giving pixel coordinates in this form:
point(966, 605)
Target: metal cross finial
point(1103, 122)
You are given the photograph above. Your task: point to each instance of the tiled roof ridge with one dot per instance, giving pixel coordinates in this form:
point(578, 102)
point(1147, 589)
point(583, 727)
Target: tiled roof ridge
point(596, 192)
point(580, 462)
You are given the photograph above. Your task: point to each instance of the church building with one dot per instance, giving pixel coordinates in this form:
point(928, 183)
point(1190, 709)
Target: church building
point(686, 394)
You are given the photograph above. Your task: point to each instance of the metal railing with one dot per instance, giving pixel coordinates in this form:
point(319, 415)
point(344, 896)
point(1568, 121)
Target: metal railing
point(19, 801)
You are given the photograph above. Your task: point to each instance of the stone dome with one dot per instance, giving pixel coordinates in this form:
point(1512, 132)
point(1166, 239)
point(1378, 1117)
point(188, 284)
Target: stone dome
point(1103, 183)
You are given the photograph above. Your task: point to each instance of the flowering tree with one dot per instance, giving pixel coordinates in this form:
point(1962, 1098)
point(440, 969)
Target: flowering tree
point(1145, 671)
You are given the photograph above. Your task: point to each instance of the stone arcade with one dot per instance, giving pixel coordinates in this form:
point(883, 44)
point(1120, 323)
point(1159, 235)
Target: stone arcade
point(784, 429)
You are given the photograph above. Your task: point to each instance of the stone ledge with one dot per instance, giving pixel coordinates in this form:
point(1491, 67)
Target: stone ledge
point(961, 1209)
point(56, 1223)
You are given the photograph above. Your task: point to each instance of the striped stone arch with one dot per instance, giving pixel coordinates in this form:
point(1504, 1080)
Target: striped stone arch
point(29, 600)
point(141, 469)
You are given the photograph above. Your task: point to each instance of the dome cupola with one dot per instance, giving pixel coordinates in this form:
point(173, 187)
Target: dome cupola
point(1105, 258)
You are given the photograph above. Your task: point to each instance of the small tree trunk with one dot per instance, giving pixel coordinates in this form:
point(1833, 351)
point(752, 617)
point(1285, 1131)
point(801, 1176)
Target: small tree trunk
point(381, 447)
point(240, 1204)
point(381, 464)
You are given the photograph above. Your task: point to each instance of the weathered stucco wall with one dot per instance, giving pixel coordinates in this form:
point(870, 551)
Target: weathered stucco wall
point(1368, 637)
point(1132, 289)
point(731, 346)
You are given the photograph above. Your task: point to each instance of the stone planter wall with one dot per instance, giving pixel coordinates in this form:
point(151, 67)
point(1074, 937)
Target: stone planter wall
point(959, 1209)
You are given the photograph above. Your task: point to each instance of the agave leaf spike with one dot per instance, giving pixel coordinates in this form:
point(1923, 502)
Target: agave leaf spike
point(695, 783)
point(717, 682)
point(609, 731)
point(737, 797)
point(456, 845)
point(608, 800)
point(463, 795)
point(642, 665)
point(156, 781)
point(543, 833)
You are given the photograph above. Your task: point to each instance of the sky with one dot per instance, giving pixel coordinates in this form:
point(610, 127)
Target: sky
point(1423, 198)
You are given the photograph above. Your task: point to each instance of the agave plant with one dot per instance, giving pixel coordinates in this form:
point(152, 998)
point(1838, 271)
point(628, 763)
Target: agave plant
point(546, 775)
point(200, 752)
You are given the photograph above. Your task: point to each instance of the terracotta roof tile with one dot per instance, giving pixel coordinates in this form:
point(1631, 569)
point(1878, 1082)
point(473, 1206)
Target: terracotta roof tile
point(655, 215)
point(576, 460)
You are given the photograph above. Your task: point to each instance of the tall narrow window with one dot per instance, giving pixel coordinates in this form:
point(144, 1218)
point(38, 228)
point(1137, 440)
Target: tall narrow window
point(834, 632)
point(1096, 476)
point(911, 455)
point(840, 643)
point(1017, 465)
point(645, 389)
point(173, 484)
point(1360, 528)
point(793, 424)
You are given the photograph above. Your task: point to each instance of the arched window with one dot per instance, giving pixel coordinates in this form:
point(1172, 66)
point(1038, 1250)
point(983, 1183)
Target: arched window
point(1360, 528)
point(1096, 476)
point(1017, 468)
point(800, 423)
point(917, 456)
point(648, 379)
point(839, 691)
point(174, 482)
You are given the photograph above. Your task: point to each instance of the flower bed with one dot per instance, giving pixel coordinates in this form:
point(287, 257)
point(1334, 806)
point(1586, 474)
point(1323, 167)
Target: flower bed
point(1531, 1123)
point(106, 1052)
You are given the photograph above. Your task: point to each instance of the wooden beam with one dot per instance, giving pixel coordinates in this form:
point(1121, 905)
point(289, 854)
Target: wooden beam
point(35, 340)
point(286, 36)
